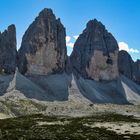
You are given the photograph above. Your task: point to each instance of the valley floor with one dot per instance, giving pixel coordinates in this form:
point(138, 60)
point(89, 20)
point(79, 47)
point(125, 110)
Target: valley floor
point(97, 127)
point(14, 107)
point(68, 120)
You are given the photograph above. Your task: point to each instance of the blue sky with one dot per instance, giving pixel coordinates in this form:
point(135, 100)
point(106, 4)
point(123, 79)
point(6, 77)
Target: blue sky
point(121, 18)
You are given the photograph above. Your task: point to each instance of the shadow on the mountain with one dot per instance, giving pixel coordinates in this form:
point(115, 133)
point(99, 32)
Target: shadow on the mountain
point(52, 87)
point(102, 92)
point(40, 87)
point(4, 83)
point(55, 88)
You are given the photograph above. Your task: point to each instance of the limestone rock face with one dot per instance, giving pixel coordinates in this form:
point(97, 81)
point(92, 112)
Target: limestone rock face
point(125, 64)
point(43, 48)
point(128, 67)
point(8, 52)
point(95, 53)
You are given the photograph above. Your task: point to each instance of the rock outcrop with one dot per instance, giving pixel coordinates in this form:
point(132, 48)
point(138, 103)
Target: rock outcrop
point(128, 67)
point(43, 48)
point(125, 64)
point(95, 53)
point(8, 53)
point(136, 72)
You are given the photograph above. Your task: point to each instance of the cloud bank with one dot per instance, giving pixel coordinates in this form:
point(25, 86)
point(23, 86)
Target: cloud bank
point(124, 46)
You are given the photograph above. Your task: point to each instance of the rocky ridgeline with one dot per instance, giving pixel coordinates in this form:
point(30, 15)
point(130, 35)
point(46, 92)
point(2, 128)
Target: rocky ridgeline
point(43, 51)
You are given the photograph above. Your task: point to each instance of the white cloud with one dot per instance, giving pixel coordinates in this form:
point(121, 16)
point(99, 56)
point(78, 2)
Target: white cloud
point(68, 38)
point(133, 50)
point(75, 37)
point(70, 44)
point(124, 46)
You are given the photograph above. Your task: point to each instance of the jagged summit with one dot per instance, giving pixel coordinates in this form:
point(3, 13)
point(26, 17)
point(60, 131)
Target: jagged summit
point(96, 32)
point(94, 23)
point(11, 28)
point(43, 48)
point(95, 53)
point(46, 12)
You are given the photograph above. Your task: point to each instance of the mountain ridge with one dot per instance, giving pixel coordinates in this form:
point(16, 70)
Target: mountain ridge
point(42, 74)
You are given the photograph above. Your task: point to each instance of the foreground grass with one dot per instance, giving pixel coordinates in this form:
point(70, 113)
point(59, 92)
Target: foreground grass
point(28, 128)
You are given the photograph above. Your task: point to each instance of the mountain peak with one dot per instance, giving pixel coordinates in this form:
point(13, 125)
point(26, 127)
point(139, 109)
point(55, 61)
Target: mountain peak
point(95, 53)
point(46, 12)
point(11, 27)
point(45, 38)
point(94, 24)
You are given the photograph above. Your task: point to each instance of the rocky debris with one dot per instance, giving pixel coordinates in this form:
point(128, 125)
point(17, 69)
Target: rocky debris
point(128, 67)
point(8, 52)
point(21, 87)
point(95, 53)
point(55, 85)
point(75, 93)
point(43, 48)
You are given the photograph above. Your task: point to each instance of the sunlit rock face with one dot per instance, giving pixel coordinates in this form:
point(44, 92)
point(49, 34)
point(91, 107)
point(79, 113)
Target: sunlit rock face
point(128, 67)
point(99, 69)
point(8, 52)
point(43, 48)
point(95, 53)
